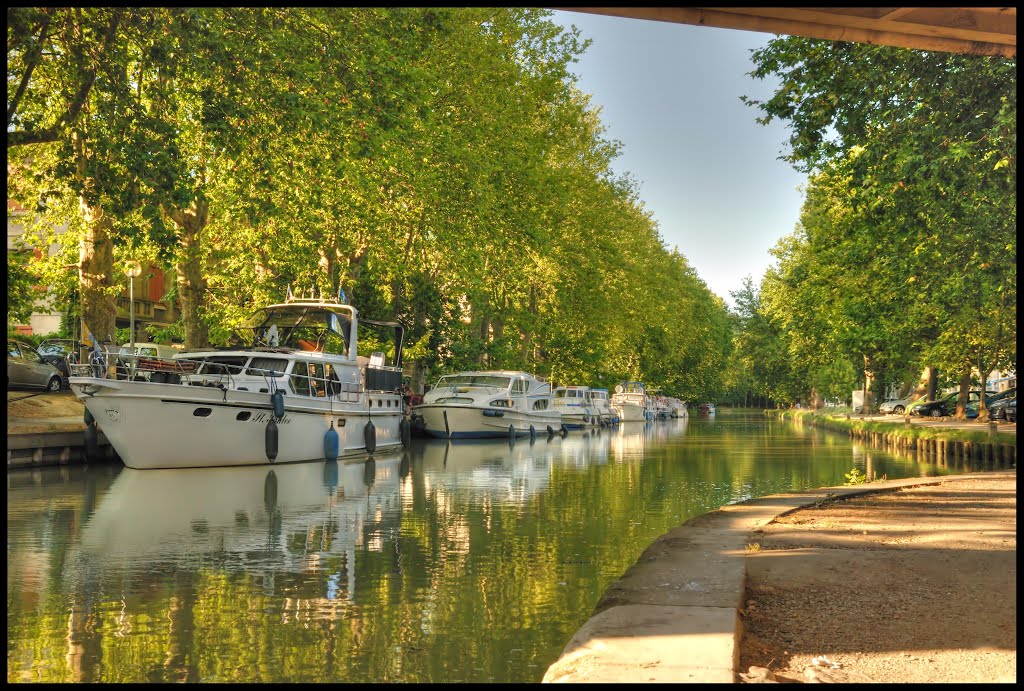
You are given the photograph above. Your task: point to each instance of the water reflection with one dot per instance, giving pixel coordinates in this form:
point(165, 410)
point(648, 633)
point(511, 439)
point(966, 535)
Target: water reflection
point(452, 561)
point(172, 519)
point(630, 439)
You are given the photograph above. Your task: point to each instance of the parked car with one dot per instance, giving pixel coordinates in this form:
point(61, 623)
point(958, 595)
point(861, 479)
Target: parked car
point(896, 406)
point(143, 350)
point(999, 410)
point(26, 368)
point(946, 405)
point(61, 353)
point(151, 350)
point(995, 397)
point(1011, 410)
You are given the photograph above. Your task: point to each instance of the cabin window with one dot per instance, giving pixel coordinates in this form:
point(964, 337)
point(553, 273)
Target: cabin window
point(224, 364)
point(541, 404)
point(317, 381)
point(267, 366)
point(519, 386)
point(300, 379)
point(333, 385)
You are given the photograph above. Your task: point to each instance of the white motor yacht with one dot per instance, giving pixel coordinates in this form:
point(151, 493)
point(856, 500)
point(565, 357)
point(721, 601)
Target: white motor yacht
point(294, 389)
point(631, 402)
point(602, 407)
point(574, 403)
point(488, 404)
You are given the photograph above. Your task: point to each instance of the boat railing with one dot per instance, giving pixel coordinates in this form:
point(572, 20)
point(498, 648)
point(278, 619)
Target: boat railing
point(130, 367)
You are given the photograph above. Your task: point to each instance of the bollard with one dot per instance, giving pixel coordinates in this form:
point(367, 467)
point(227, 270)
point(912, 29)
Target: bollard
point(992, 430)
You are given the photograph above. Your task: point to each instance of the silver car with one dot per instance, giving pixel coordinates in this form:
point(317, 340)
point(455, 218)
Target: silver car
point(26, 368)
point(896, 405)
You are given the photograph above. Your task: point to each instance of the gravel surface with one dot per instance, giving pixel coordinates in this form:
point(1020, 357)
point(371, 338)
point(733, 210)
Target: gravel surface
point(913, 585)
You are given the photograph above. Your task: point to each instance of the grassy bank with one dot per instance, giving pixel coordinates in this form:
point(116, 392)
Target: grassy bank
point(941, 442)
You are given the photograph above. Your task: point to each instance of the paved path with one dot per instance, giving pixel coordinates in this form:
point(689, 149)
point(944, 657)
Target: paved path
point(674, 616)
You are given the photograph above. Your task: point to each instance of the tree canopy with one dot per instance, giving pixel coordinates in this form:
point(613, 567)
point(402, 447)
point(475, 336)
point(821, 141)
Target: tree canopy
point(439, 165)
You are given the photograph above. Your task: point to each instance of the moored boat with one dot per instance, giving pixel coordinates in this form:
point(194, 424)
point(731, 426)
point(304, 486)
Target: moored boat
point(677, 408)
point(707, 409)
point(631, 402)
point(606, 415)
point(496, 403)
point(293, 387)
point(574, 403)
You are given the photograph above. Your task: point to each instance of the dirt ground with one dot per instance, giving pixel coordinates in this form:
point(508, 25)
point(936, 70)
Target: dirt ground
point(913, 585)
point(30, 412)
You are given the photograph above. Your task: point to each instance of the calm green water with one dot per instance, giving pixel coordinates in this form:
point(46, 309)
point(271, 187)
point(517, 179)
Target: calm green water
point(469, 561)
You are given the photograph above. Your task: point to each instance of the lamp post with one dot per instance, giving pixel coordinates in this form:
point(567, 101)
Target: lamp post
point(133, 269)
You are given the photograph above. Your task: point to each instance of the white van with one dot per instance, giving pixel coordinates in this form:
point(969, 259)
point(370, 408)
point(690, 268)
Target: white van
point(150, 350)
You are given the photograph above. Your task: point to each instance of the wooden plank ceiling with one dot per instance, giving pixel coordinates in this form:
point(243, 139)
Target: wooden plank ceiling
point(973, 30)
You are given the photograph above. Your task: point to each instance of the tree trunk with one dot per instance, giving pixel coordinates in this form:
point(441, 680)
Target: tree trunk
point(527, 342)
point(933, 383)
point(866, 388)
point(190, 223)
point(964, 395)
point(485, 329)
point(95, 268)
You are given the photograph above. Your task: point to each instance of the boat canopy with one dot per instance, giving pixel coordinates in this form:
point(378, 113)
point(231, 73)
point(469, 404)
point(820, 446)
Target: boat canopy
point(474, 380)
point(324, 327)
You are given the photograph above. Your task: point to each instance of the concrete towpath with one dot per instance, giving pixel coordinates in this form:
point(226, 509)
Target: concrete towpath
point(677, 614)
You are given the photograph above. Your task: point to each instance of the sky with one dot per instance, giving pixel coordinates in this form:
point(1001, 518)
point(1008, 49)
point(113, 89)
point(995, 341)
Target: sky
point(706, 170)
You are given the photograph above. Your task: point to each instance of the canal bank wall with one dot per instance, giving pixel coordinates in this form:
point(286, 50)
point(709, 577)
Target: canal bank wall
point(676, 615)
point(949, 443)
point(48, 429)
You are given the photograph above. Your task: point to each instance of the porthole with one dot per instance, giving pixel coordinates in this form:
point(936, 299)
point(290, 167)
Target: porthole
point(243, 416)
point(341, 422)
point(380, 403)
point(202, 412)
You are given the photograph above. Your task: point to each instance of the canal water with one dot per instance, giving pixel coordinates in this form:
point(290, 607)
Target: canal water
point(470, 561)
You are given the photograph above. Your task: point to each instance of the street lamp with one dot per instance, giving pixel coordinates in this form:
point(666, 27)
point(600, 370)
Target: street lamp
point(133, 269)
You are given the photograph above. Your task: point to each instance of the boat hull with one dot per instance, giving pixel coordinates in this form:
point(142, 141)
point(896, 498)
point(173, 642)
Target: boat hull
point(629, 412)
point(473, 422)
point(577, 419)
point(157, 425)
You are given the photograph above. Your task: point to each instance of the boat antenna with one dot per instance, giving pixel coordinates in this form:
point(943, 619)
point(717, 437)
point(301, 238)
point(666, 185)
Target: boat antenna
point(289, 297)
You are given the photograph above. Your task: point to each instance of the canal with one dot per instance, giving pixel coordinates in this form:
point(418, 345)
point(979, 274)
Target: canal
point(448, 562)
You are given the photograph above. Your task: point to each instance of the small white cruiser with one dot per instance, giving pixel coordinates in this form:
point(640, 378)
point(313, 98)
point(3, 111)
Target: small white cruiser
point(488, 404)
point(295, 389)
point(602, 407)
point(631, 402)
point(575, 405)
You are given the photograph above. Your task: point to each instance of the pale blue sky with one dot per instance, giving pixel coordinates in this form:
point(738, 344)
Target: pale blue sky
point(707, 171)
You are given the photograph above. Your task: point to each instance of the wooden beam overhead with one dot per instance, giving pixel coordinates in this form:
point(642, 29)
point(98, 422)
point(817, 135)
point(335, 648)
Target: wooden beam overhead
point(970, 30)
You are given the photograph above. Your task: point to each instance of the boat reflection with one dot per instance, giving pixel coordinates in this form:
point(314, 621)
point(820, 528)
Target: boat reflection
point(583, 449)
point(286, 518)
point(505, 471)
point(629, 439)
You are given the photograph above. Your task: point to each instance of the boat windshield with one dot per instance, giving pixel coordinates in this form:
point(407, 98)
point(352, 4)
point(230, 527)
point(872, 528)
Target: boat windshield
point(298, 326)
point(473, 380)
point(568, 393)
